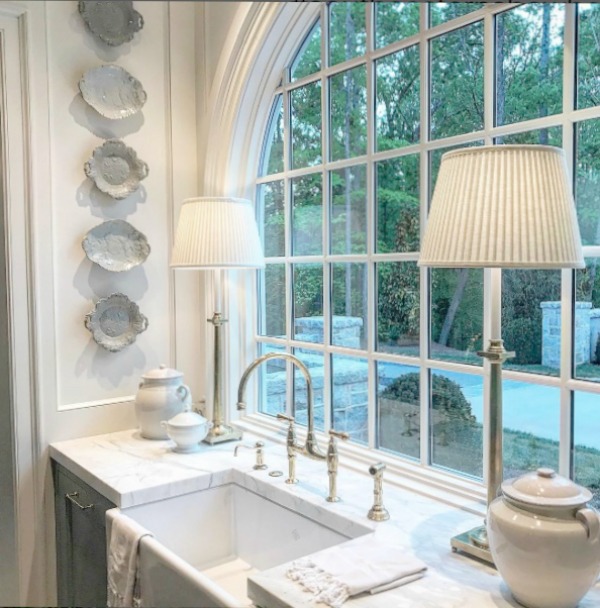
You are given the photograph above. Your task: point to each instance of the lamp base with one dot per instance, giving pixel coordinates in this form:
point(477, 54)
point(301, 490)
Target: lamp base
point(221, 433)
point(474, 543)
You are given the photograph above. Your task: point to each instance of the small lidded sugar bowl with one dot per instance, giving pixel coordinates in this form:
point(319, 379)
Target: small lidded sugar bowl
point(545, 540)
point(160, 396)
point(187, 430)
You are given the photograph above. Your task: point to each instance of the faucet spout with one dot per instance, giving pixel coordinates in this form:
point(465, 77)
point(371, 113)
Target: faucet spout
point(311, 447)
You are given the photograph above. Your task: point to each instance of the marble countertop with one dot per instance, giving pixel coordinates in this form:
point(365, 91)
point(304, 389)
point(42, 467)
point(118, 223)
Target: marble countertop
point(130, 471)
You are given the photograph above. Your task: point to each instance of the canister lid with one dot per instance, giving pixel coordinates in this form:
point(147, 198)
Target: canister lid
point(162, 373)
point(545, 488)
point(187, 418)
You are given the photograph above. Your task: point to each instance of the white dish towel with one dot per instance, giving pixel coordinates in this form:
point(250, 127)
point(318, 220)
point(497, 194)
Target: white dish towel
point(363, 565)
point(122, 560)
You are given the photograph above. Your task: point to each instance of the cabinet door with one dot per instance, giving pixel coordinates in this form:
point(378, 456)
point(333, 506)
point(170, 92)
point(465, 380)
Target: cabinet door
point(80, 541)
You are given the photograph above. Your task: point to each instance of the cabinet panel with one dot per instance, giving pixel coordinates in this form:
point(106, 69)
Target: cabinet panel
point(80, 540)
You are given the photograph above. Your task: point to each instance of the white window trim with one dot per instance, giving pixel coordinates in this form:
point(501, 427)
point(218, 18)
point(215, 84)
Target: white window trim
point(267, 36)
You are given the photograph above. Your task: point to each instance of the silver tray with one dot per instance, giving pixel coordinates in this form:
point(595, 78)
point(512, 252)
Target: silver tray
point(116, 169)
point(112, 91)
point(112, 22)
point(116, 245)
point(115, 322)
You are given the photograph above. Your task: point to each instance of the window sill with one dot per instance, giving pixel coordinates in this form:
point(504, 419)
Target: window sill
point(442, 486)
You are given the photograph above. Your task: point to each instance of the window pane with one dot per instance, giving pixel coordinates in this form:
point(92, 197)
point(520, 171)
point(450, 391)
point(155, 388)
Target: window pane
point(440, 12)
point(308, 59)
point(457, 82)
point(349, 305)
point(272, 160)
point(551, 136)
point(305, 107)
point(350, 396)
point(397, 208)
point(348, 102)
point(586, 340)
point(272, 297)
point(398, 407)
point(272, 379)
point(587, 180)
point(271, 202)
point(531, 320)
point(394, 21)
point(314, 361)
point(529, 62)
point(347, 31)
point(456, 436)
point(398, 99)
point(588, 55)
point(531, 421)
point(307, 215)
point(349, 210)
point(586, 443)
point(456, 314)
point(308, 302)
point(398, 308)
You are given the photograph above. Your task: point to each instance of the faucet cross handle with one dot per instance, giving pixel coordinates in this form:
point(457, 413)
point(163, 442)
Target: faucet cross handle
point(339, 434)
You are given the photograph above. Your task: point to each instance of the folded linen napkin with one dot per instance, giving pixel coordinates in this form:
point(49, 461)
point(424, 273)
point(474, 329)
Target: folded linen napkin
point(364, 564)
point(122, 560)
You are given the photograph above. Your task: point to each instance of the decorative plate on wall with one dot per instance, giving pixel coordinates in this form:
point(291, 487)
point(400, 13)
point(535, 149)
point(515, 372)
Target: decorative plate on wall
point(116, 245)
point(115, 322)
point(116, 169)
point(112, 22)
point(112, 91)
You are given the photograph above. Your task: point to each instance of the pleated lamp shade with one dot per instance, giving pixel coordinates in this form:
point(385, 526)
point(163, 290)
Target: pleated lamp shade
point(217, 232)
point(502, 206)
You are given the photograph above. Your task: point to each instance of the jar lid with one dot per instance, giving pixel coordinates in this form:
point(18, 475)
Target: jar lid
point(162, 373)
point(187, 418)
point(545, 488)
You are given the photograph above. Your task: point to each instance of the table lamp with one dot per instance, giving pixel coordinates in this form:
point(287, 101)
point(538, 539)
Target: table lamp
point(498, 207)
point(216, 233)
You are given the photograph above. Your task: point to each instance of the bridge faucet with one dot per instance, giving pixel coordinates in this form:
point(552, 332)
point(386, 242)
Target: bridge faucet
point(311, 447)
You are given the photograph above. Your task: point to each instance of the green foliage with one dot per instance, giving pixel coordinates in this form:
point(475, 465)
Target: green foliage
point(446, 395)
point(456, 104)
point(522, 293)
point(524, 336)
point(588, 60)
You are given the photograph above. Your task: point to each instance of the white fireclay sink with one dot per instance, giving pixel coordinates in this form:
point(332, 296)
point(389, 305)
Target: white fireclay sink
point(208, 542)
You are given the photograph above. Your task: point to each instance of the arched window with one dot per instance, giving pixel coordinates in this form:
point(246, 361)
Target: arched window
point(375, 95)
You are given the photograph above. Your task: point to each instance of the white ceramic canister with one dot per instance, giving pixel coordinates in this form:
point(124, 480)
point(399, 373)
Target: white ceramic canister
point(544, 539)
point(161, 395)
point(187, 429)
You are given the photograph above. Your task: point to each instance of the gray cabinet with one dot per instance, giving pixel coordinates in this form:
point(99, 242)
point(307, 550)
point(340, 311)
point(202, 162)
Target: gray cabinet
point(80, 540)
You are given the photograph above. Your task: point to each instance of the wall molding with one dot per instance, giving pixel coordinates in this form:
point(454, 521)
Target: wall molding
point(18, 210)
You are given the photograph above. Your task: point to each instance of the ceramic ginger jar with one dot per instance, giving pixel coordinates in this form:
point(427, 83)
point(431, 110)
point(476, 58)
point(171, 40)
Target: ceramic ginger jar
point(161, 395)
point(544, 540)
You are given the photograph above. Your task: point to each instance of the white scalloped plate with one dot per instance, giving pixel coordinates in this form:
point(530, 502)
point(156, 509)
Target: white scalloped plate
point(112, 91)
point(115, 322)
point(112, 22)
point(116, 245)
point(116, 169)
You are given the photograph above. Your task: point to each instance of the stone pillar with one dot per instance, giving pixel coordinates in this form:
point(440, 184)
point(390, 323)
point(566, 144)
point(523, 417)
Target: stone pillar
point(551, 323)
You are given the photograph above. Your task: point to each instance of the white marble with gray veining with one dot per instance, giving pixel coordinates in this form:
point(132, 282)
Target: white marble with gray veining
point(130, 470)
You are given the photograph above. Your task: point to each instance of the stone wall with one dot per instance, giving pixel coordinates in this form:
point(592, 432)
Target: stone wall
point(350, 378)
